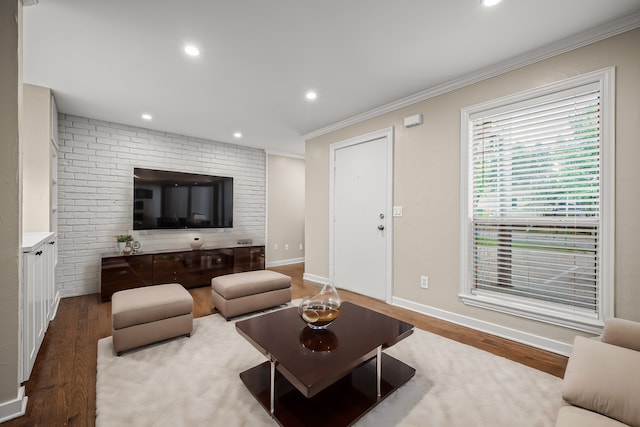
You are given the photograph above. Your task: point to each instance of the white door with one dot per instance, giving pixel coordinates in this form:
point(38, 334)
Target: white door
point(361, 213)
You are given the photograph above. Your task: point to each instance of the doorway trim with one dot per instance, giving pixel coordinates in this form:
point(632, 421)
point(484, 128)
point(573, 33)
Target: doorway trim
point(386, 133)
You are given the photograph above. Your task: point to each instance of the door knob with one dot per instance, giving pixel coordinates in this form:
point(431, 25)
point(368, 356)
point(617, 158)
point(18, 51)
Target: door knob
point(381, 227)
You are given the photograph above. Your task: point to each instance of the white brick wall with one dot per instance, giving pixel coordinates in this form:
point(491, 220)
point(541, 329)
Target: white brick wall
point(95, 192)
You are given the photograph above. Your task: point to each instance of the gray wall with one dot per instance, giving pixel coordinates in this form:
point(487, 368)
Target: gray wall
point(285, 211)
point(10, 227)
point(95, 195)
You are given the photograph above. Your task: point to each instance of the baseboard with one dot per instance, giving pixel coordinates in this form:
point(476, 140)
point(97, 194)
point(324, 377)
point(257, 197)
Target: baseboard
point(14, 408)
point(285, 262)
point(487, 327)
point(316, 279)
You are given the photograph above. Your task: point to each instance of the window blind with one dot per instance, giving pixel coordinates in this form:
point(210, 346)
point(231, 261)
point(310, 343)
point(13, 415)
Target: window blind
point(535, 198)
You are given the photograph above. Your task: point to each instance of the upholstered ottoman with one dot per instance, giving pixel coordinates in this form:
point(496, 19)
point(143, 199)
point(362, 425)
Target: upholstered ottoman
point(150, 314)
point(240, 293)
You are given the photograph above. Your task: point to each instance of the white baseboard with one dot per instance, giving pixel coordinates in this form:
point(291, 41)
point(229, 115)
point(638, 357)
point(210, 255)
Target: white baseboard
point(533, 340)
point(285, 262)
point(14, 408)
point(314, 278)
point(490, 328)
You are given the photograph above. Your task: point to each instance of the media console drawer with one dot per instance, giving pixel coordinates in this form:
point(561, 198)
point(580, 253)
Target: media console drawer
point(194, 268)
point(125, 272)
point(190, 268)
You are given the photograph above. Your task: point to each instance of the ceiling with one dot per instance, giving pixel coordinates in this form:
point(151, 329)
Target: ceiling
point(117, 59)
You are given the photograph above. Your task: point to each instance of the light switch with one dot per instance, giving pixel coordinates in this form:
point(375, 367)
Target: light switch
point(397, 211)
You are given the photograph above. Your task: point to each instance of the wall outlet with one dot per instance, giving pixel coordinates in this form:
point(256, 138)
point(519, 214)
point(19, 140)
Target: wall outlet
point(286, 247)
point(300, 246)
point(424, 282)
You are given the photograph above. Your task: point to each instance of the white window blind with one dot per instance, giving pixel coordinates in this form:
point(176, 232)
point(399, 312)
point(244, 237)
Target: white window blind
point(534, 200)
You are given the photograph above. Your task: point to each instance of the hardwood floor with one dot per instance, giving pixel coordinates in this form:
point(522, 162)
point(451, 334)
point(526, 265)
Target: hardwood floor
point(62, 387)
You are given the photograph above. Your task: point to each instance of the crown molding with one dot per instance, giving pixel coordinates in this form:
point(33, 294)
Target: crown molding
point(593, 35)
point(283, 154)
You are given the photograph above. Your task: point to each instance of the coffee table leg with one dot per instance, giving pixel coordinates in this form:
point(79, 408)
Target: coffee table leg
point(379, 369)
point(273, 384)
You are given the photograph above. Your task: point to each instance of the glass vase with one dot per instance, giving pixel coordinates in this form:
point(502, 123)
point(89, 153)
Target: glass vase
point(320, 310)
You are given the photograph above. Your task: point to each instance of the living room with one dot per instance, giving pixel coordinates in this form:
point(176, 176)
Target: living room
point(426, 184)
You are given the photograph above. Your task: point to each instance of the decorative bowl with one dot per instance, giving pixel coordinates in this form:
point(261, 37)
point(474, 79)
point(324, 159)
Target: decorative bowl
point(196, 244)
point(318, 315)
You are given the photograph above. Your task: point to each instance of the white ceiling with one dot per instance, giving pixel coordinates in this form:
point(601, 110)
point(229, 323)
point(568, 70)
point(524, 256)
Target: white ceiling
point(116, 59)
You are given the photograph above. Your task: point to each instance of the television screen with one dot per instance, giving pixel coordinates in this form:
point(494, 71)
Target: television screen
point(177, 200)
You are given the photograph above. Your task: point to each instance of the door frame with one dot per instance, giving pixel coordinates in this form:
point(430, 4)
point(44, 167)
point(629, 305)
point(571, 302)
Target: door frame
point(387, 134)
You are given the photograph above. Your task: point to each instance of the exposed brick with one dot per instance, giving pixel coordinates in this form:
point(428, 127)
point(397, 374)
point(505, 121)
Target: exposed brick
point(95, 193)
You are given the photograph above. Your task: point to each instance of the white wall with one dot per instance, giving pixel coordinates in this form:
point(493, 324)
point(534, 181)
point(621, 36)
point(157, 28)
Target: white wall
point(95, 195)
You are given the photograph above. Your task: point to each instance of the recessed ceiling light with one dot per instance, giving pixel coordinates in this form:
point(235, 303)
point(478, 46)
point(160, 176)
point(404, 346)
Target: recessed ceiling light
point(490, 2)
point(147, 116)
point(311, 95)
point(191, 50)
point(237, 135)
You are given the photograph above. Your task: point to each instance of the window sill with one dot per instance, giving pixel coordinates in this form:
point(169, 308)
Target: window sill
point(542, 312)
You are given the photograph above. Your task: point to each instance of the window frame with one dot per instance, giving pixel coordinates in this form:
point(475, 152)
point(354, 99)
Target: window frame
point(556, 314)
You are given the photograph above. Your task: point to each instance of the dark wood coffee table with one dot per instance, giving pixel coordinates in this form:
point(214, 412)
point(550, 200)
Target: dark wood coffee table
point(326, 377)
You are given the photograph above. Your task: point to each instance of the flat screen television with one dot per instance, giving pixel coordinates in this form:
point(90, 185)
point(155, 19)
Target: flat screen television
point(178, 200)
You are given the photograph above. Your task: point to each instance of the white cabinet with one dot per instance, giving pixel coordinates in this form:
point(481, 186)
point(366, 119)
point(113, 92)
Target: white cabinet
point(39, 297)
point(39, 158)
point(53, 157)
point(53, 220)
point(54, 122)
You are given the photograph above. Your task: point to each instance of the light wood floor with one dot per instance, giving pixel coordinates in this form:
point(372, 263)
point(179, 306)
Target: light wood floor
point(62, 387)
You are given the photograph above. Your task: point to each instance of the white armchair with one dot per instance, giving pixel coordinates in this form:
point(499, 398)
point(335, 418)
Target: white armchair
point(602, 380)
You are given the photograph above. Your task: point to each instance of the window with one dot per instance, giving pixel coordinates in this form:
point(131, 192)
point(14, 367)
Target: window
point(537, 203)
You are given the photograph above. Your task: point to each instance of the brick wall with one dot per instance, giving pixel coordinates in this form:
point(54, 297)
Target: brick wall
point(95, 192)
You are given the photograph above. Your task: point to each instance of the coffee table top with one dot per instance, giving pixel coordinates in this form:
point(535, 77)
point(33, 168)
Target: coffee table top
point(312, 360)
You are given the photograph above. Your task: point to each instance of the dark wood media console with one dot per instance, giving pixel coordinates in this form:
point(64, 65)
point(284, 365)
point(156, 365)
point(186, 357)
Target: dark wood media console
point(190, 268)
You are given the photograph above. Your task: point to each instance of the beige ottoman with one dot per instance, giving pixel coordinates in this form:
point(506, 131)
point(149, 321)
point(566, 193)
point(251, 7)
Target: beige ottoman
point(150, 314)
point(240, 293)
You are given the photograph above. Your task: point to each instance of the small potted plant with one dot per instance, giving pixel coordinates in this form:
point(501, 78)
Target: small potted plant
point(124, 242)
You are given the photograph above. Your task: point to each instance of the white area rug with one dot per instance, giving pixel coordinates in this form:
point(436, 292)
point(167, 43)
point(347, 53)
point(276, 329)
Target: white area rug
point(194, 381)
